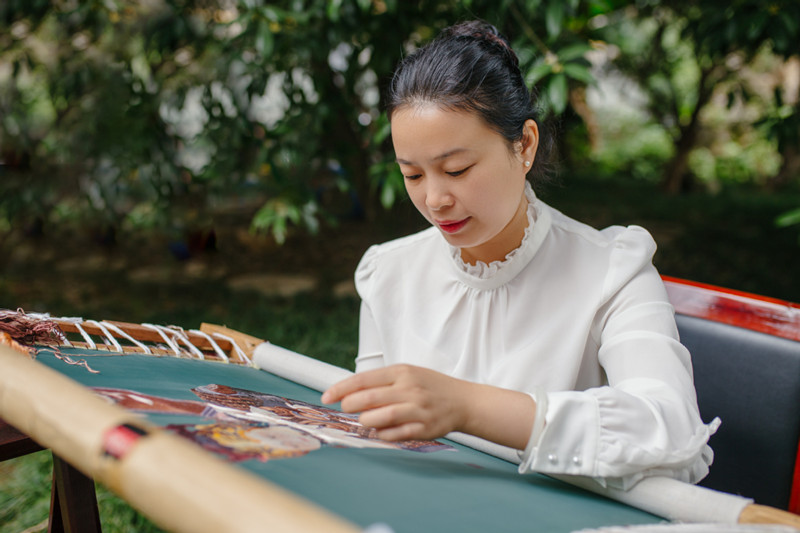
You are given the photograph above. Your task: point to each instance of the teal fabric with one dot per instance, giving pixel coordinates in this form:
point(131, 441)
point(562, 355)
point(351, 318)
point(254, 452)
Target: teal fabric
point(462, 490)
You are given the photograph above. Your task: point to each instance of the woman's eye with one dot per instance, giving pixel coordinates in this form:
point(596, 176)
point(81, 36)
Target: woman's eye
point(413, 177)
point(459, 172)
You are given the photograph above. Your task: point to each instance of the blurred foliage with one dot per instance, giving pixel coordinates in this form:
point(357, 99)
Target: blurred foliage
point(710, 74)
point(166, 114)
point(789, 218)
point(158, 113)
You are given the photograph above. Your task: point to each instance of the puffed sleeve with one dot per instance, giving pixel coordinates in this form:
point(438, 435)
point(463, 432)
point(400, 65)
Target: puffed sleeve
point(370, 351)
point(646, 421)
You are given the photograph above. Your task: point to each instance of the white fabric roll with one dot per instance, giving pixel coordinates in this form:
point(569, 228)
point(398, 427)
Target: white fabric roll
point(301, 369)
point(661, 496)
point(672, 499)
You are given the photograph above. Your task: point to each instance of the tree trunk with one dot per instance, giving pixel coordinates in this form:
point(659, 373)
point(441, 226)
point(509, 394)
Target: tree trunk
point(674, 179)
point(790, 169)
point(577, 99)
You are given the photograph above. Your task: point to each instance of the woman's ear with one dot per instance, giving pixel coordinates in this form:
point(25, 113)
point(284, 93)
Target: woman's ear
point(530, 140)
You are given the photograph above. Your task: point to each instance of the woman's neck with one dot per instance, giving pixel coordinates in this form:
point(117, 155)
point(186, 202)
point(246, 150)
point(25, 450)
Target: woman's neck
point(502, 244)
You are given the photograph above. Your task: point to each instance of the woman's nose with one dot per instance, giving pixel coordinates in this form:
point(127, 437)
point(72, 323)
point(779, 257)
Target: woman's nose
point(437, 195)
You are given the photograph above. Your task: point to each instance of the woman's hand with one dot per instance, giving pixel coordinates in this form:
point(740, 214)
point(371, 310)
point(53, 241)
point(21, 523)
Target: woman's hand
point(407, 402)
point(404, 402)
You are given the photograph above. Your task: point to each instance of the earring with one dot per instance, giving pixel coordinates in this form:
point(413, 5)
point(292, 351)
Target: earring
point(527, 163)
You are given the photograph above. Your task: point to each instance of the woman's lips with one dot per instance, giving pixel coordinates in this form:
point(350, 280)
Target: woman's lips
point(452, 226)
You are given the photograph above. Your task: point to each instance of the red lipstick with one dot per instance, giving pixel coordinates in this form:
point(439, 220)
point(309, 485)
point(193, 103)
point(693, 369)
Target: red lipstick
point(452, 226)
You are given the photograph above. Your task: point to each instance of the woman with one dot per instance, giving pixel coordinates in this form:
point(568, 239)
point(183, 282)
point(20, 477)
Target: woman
point(508, 320)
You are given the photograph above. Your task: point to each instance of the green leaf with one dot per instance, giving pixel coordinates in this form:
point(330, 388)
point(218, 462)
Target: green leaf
point(757, 24)
point(599, 7)
point(573, 51)
point(557, 93)
point(538, 72)
point(579, 73)
point(554, 18)
point(310, 211)
point(532, 5)
point(293, 213)
point(333, 10)
point(264, 40)
point(384, 129)
point(387, 195)
point(279, 230)
point(789, 218)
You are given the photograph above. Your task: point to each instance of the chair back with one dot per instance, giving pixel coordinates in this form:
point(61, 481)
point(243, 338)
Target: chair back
point(746, 357)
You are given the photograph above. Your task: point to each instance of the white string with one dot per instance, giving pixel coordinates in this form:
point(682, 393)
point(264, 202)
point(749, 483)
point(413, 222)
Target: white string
point(239, 351)
point(219, 351)
point(159, 330)
point(76, 321)
point(121, 332)
point(107, 334)
point(181, 335)
point(86, 337)
point(169, 334)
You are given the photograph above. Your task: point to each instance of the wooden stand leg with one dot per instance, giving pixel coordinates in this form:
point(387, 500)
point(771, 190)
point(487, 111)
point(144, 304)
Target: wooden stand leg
point(73, 502)
point(13, 443)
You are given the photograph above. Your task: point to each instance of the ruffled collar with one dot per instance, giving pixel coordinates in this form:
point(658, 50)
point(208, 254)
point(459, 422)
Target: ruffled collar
point(496, 273)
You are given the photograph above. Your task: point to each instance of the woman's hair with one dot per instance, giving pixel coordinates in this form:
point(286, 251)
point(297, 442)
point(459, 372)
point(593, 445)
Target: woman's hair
point(471, 67)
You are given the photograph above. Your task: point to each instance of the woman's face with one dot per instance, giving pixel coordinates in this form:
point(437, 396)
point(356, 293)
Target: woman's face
point(464, 178)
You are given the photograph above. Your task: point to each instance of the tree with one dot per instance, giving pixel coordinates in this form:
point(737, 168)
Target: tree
point(152, 113)
point(710, 42)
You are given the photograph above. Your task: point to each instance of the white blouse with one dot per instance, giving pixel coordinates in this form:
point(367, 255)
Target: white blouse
point(578, 313)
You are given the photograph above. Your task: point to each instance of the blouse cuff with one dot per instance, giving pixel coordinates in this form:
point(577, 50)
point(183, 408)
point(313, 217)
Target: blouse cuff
point(369, 362)
point(527, 456)
point(568, 443)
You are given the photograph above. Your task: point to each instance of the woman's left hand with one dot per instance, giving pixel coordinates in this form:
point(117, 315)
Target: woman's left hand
point(404, 402)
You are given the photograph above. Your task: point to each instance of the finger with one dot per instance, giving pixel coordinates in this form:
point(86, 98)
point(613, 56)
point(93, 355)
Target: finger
point(372, 398)
point(356, 382)
point(345, 387)
point(410, 431)
point(384, 395)
point(394, 416)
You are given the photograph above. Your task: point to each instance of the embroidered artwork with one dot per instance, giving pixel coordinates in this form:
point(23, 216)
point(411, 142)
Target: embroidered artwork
point(240, 442)
point(244, 424)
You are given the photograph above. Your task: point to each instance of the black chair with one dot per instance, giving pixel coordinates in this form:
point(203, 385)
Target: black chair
point(751, 381)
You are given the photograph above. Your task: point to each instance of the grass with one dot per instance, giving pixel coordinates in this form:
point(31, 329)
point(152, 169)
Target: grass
point(25, 492)
point(727, 239)
point(25, 500)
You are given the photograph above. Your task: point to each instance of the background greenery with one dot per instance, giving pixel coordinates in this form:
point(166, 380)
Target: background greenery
point(162, 114)
point(154, 153)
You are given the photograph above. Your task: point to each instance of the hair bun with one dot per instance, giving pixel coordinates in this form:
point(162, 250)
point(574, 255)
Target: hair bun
point(478, 29)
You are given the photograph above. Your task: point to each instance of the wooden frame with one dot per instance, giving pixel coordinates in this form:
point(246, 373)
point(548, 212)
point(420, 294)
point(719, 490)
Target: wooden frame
point(736, 308)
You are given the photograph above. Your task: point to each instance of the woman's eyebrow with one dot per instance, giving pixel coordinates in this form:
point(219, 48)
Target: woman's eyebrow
point(438, 157)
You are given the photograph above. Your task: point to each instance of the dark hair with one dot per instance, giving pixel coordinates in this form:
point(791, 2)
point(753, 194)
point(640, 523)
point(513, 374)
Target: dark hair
point(471, 67)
